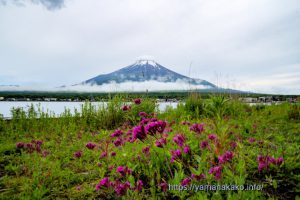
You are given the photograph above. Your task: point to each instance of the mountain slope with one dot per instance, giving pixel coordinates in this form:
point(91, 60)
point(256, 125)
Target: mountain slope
point(143, 71)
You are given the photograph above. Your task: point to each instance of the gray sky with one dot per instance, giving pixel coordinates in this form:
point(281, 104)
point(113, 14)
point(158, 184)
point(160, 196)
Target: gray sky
point(243, 44)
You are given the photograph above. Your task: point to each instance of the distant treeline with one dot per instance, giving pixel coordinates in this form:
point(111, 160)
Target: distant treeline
point(81, 96)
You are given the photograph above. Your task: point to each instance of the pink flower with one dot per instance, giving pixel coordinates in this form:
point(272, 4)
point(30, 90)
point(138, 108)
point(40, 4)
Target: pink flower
point(104, 182)
point(251, 140)
point(216, 171)
point(143, 114)
point(226, 157)
point(139, 185)
point(125, 108)
point(90, 145)
point(160, 143)
point(78, 154)
point(204, 144)
point(123, 170)
point(233, 145)
point(139, 132)
point(20, 145)
point(185, 181)
point(179, 139)
point(103, 155)
point(137, 101)
point(146, 150)
point(198, 177)
point(279, 161)
point(113, 153)
point(121, 188)
point(163, 186)
point(187, 149)
point(117, 133)
point(118, 142)
point(175, 154)
point(197, 128)
point(264, 162)
point(212, 136)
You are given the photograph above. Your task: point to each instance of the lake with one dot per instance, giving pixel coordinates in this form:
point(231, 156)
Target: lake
point(58, 107)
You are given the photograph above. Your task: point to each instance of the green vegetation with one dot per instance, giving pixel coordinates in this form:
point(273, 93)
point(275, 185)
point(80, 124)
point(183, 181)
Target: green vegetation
point(134, 151)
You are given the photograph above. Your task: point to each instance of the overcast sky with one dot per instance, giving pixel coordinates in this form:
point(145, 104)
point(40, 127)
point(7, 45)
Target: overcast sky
point(243, 44)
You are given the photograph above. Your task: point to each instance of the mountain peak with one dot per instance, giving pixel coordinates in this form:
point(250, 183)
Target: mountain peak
point(145, 70)
point(145, 62)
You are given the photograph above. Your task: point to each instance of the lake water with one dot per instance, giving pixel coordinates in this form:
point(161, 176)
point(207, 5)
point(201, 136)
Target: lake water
point(58, 107)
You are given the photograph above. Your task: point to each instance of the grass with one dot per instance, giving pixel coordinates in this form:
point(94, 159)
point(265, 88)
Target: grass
point(204, 141)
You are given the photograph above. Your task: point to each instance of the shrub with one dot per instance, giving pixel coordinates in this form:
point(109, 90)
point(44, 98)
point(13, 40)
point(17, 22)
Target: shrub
point(294, 112)
point(194, 105)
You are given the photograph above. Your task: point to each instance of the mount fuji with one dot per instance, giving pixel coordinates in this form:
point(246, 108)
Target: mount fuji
point(143, 75)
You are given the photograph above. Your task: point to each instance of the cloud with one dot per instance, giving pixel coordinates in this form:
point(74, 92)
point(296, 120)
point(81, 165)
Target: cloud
point(49, 4)
point(128, 86)
point(248, 40)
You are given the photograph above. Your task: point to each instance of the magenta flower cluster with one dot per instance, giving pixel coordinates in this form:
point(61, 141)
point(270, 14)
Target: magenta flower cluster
point(265, 161)
point(119, 188)
point(34, 145)
point(123, 171)
point(156, 126)
point(216, 171)
point(226, 157)
point(197, 128)
point(90, 145)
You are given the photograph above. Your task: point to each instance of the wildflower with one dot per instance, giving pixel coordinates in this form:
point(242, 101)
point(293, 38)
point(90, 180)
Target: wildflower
point(161, 125)
point(137, 101)
point(103, 155)
point(104, 182)
point(90, 145)
point(39, 142)
point(197, 128)
point(29, 147)
point(163, 186)
point(151, 128)
point(125, 108)
point(204, 144)
point(139, 185)
point(117, 133)
point(160, 143)
point(187, 149)
point(179, 139)
point(263, 162)
point(123, 170)
point(226, 157)
point(143, 114)
point(198, 177)
point(45, 153)
point(175, 154)
point(251, 140)
point(113, 153)
point(139, 133)
point(212, 136)
point(153, 120)
point(121, 188)
point(216, 171)
point(233, 145)
point(279, 161)
point(78, 154)
point(185, 181)
point(20, 145)
point(146, 150)
point(118, 142)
